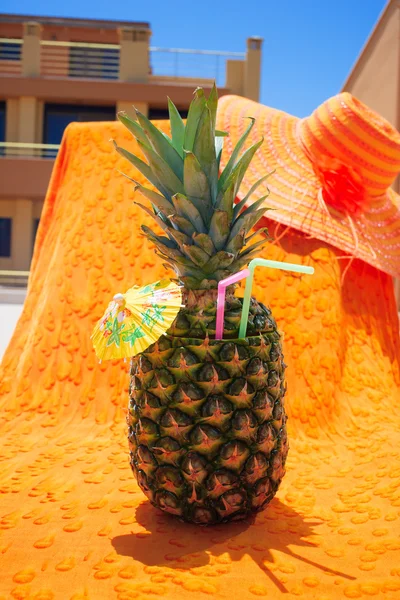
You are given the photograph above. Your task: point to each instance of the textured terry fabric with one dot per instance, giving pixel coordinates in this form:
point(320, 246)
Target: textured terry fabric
point(73, 522)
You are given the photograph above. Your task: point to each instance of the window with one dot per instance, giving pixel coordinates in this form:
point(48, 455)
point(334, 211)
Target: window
point(10, 51)
point(2, 125)
point(102, 63)
point(2, 121)
point(160, 114)
point(35, 226)
point(5, 237)
point(58, 116)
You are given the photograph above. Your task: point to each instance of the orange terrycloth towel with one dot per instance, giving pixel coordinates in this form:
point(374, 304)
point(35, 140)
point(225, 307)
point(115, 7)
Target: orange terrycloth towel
point(74, 524)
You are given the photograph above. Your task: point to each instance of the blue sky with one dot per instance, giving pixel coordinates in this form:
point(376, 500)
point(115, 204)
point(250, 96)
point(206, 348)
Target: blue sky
point(309, 48)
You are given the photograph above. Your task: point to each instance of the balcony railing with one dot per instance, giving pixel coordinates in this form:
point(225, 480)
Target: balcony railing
point(25, 150)
point(75, 59)
point(102, 61)
point(10, 56)
point(193, 64)
point(18, 279)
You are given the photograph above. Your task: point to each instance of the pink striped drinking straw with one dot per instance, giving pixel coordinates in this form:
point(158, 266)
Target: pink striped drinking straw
point(222, 285)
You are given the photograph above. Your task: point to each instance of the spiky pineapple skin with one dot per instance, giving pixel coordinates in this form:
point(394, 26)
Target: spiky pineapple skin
point(206, 419)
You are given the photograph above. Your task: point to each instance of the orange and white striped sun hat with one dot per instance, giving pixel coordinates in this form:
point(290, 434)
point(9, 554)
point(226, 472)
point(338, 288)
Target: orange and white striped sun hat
point(333, 173)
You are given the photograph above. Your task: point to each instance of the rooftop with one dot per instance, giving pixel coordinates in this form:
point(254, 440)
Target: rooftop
point(72, 22)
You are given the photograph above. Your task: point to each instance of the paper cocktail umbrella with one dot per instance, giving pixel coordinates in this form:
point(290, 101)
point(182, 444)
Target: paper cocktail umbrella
point(135, 320)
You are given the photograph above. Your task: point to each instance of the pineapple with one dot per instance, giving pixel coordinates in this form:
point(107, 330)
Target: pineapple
point(207, 425)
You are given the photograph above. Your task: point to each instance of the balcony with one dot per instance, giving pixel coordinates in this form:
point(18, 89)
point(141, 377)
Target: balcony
point(74, 59)
point(102, 61)
point(22, 150)
point(10, 56)
point(194, 65)
point(31, 65)
point(25, 169)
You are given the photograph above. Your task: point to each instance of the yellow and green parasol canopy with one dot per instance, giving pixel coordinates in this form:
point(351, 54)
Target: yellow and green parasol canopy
point(135, 320)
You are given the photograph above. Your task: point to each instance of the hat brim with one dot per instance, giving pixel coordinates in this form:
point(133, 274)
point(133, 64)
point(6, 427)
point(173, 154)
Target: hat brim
point(373, 236)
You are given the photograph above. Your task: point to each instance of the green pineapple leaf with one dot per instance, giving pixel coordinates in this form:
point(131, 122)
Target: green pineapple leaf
point(170, 265)
point(226, 201)
point(160, 239)
point(253, 207)
point(197, 255)
point(240, 169)
point(182, 224)
point(162, 171)
point(246, 222)
point(244, 261)
point(157, 201)
point(219, 228)
point(221, 260)
point(177, 128)
point(167, 252)
point(143, 167)
point(161, 146)
point(251, 191)
point(176, 236)
point(253, 247)
point(166, 137)
point(195, 110)
point(206, 237)
point(180, 238)
point(258, 232)
point(190, 283)
point(132, 126)
point(188, 265)
point(204, 150)
point(212, 103)
point(176, 255)
point(219, 145)
point(196, 184)
point(237, 242)
point(155, 217)
point(195, 179)
point(235, 154)
point(186, 209)
point(203, 241)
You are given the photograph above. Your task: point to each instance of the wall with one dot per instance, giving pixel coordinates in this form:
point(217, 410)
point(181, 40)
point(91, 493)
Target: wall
point(65, 34)
point(7, 209)
point(23, 212)
point(375, 78)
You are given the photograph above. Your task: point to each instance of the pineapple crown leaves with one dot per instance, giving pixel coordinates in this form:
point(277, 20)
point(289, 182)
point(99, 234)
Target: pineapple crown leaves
point(206, 235)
